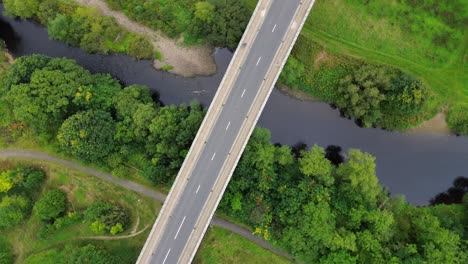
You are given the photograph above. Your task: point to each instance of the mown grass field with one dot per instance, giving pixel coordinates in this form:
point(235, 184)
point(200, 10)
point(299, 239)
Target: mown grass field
point(345, 28)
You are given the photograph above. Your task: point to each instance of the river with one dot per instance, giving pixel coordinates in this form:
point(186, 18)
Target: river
point(417, 166)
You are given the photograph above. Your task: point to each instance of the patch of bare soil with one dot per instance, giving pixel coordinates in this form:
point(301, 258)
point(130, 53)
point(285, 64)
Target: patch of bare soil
point(434, 126)
point(187, 61)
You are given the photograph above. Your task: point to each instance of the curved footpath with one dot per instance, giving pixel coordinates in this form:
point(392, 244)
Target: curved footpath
point(217, 221)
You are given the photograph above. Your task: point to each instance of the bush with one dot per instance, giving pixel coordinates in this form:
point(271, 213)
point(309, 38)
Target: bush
point(107, 216)
point(6, 254)
point(88, 135)
point(51, 205)
point(457, 119)
point(13, 209)
point(140, 48)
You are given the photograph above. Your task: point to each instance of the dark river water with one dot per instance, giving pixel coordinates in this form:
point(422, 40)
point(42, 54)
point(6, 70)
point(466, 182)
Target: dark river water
point(417, 166)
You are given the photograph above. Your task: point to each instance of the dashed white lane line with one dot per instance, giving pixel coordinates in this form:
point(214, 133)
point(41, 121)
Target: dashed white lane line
point(178, 230)
point(243, 93)
point(228, 125)
point(273, 30)
point(197, 189)
point(258, 61)
point(214, 154)
point(166, 256)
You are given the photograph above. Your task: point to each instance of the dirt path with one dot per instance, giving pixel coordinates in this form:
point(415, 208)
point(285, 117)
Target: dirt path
point(187, 61)
point(217, 221)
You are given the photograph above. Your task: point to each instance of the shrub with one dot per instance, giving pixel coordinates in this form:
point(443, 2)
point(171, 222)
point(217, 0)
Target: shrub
point(13, 209)
point(140, 48)
point(457, 119)
point(51, 205)
point(6, 254)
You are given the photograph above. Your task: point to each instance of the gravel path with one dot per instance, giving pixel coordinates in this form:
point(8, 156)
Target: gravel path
point(187, 61)
point(217, 221)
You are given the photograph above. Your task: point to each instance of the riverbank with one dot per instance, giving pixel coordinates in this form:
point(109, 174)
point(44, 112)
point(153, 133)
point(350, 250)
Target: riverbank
point(185, 61)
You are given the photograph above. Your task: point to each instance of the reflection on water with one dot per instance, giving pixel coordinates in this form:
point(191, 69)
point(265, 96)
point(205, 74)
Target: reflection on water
point(418, 166)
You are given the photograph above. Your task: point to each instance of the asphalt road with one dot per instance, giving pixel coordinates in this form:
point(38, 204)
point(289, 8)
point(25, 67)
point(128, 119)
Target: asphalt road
point(222, 137)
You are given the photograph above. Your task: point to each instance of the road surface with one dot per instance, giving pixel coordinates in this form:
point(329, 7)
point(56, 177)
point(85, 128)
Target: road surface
point(235, 109)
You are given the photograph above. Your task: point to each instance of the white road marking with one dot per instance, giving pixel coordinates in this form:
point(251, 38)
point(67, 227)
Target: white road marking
point(243, 93)
point(166, 256)
point(198, 189)
point(263, 13)
point(213, 156)
point(178, 230)
point(273, 30)
point(228, 125)
point(259, 60)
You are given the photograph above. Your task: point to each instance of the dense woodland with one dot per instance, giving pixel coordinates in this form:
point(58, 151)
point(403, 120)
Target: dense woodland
point(321, 207)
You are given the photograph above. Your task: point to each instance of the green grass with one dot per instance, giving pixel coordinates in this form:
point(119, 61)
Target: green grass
point(167, 67)
point(356, 33)
point(158, 55)
point(222, 246)
point(82, 190)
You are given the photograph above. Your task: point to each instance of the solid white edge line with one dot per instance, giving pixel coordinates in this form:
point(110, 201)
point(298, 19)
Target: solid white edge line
point(243, 93)
point(197, 189)
point(214, 154)
point(228, 125)
point(273, 30)
point(178, 230)
point(166, 256)
point(259, 60)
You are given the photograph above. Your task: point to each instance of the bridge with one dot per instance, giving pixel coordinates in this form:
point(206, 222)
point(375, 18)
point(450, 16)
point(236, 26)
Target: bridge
point(225, 130)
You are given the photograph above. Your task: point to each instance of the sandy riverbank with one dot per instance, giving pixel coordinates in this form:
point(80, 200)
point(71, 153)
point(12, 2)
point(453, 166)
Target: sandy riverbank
point(186, 61)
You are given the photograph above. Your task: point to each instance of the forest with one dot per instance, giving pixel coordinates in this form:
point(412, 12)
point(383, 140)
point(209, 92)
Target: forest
point(320, 205)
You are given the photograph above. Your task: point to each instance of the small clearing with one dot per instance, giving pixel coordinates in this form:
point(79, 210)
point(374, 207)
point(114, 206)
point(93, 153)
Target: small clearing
point(186, 61)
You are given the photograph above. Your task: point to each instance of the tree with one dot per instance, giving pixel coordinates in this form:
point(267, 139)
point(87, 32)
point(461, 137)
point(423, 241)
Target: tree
point(45, 100)
point(140, 48)
point(6, 254)
point(313, 163)
point(88, 135)
point(107, 216)
point(21, 8)
point(204, 11)
point(358, 176)
point(359, 95)
point(51, 205)
point(50, 256)
point(13, 209)
point(457, 119)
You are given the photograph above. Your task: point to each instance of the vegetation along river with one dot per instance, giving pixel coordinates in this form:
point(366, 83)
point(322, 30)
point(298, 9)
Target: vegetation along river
point(416, 165)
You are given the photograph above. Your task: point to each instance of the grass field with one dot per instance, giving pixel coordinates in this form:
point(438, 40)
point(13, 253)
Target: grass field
point(371, 34)
point(81, 191)
point(221, 246)
point(218, 246)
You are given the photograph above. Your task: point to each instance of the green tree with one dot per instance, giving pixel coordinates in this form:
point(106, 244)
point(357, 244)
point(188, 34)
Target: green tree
point(359, 95)
point(13, 209)
point(204, 11)
point(88, 135)
point(457, 119)
point(6, 254)
point(21, 8)
point(358, 175)
point(313, 163)
point(51, 205)
point(140, 48)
